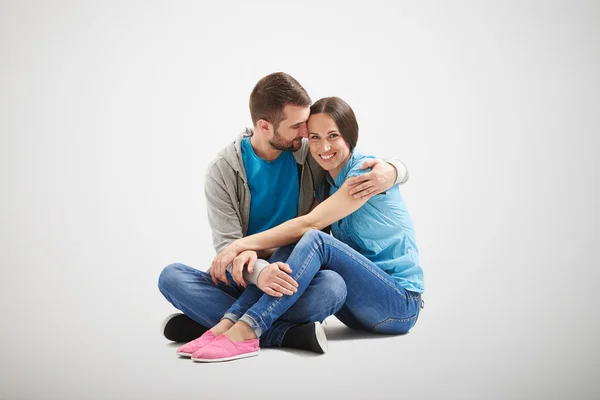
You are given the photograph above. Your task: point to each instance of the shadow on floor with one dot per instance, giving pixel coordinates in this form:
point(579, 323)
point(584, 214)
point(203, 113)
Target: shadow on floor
point(345, 333)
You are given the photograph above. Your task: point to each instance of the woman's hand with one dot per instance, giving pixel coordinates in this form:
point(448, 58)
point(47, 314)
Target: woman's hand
point(378, 180)
point(275, 280)
point(218, 268)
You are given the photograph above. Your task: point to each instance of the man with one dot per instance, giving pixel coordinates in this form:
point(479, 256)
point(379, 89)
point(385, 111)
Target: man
point(264, 178)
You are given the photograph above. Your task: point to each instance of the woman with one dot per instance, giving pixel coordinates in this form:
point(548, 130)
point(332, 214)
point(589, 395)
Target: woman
point(373, 248)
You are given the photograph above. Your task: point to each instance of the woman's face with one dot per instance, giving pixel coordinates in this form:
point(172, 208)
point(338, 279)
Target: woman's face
point(327, 145)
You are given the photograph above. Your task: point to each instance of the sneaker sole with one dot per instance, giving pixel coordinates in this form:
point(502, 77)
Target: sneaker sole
point(209, 360)
point(321, 338)
point(183, 354)
point(180, 328)
point(166, 321)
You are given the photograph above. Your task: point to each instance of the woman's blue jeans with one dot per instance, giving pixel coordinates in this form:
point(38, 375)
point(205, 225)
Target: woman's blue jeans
point(374, 301)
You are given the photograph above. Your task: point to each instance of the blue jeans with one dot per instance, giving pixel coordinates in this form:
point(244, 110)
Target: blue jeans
point(374, 301)
point(193, 292)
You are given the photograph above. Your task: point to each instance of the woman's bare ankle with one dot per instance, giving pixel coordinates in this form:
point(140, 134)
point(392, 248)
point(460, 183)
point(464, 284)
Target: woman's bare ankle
point(223, 326)
point(240, 331)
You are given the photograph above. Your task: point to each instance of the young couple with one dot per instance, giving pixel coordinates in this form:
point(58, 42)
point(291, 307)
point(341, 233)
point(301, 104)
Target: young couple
point(271, 196)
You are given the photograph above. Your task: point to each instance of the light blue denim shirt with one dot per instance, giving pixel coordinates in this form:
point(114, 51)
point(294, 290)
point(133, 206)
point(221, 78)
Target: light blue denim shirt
point(381, 230)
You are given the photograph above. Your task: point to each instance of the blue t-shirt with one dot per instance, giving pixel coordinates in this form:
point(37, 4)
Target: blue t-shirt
point(274, 188)
point(381, 230)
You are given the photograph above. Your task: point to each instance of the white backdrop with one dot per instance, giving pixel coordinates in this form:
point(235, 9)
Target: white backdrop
point(111, 111)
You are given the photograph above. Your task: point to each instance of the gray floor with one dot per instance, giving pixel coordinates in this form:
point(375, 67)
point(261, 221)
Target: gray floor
point(103, 341)
point(110, 114)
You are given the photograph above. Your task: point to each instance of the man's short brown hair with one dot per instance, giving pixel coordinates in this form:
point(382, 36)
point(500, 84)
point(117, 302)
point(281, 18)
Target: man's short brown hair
point(272, 93)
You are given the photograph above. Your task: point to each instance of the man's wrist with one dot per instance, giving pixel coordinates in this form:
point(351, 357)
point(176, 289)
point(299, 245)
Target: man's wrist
point(401, 171)
point(395, 173)
point(259, 266)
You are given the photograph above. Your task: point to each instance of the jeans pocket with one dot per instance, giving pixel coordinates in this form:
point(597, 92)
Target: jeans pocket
point(395, 326)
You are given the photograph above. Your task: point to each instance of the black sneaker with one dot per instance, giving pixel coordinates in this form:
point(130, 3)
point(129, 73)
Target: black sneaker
point(309, 337)
point(181, 328)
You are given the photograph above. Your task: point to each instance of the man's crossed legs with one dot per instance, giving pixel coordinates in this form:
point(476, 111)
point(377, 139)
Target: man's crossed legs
point(193, 292)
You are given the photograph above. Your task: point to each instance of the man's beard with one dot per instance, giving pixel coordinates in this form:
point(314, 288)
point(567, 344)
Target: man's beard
point(279, 143)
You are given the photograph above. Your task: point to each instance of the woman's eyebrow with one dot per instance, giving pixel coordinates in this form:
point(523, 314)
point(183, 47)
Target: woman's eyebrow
point(318, 134)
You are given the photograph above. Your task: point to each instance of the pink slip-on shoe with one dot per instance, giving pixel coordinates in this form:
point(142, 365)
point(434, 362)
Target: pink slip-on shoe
point(223, 349)
point(190, 348)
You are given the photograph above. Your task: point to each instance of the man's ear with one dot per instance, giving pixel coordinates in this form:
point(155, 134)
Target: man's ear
point(264, 126)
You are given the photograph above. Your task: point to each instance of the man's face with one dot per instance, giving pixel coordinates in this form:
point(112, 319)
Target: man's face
point(288, 135)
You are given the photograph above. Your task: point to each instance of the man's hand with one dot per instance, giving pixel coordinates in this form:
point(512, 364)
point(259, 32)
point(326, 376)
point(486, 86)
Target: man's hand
point(378, 180)
point(218, 268)
point(275, 280)
point(237, 272)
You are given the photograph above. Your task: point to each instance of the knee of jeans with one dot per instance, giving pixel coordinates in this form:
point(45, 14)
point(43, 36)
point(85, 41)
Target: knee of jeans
point(168, 278)
point(312, 235)
point(336, 288)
